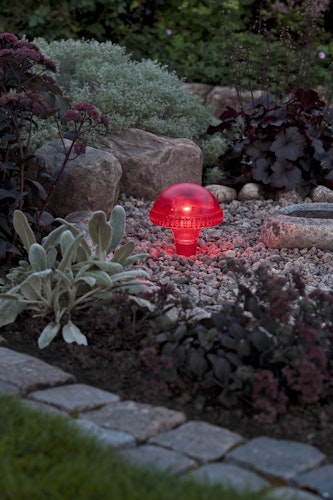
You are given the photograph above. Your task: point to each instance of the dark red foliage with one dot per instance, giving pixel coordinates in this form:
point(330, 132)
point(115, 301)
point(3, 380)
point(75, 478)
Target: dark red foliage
point(272, 348)
point(285, 145)
point(28, 92)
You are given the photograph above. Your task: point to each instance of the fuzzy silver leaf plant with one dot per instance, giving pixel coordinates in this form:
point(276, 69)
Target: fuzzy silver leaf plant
point(131, 94)
point(64, 273)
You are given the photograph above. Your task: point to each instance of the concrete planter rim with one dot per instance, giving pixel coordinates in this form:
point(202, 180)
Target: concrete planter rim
point(301, 225)
point(307, 213)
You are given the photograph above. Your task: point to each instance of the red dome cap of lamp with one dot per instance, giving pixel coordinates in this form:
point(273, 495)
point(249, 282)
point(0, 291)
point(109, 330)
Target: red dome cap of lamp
point(186, 208)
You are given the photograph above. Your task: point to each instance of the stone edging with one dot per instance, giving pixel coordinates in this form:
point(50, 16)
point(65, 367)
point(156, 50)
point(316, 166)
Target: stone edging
point(162, 438)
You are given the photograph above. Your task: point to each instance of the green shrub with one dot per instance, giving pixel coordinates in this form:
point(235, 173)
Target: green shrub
point(295, 16)
point(59, 19)
point(213, 147)
point(211, 41)
point(190, 37)
point(230, 59)
point(131, 94)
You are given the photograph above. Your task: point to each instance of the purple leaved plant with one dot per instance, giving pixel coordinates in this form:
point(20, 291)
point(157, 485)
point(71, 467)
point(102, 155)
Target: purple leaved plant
point(287, 145)
point(27, 93)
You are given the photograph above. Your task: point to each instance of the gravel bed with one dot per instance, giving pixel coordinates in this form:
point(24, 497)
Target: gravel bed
point(203, 279)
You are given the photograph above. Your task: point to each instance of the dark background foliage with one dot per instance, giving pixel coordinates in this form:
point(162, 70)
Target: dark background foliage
point(200, 40)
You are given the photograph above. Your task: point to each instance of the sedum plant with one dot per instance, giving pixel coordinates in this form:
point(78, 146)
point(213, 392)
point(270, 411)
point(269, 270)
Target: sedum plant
point(27, 93)
point(30, 99)
point(64, 273)
point(271, 348)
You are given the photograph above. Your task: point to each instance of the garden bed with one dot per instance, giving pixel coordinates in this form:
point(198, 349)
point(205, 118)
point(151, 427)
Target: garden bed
point(116, 356)
point(112, 362)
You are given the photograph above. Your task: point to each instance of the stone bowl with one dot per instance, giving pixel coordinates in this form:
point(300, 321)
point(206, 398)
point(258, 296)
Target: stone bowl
point(303, 225)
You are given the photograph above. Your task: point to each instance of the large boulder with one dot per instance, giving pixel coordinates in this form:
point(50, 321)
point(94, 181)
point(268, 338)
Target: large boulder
point(201, 90)
point(220, 97)
point(90, 181)
point(152, 163)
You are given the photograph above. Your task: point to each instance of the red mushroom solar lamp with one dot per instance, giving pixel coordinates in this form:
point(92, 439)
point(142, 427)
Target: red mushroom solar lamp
point(186, 208)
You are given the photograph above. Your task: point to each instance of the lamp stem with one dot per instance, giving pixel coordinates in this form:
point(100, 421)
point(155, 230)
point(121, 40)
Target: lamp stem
point(186, 241)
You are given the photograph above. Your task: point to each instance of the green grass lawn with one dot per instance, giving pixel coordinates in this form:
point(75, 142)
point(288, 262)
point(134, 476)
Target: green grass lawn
point(42, 458)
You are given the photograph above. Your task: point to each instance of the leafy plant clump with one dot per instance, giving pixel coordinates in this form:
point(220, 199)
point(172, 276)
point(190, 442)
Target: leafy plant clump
point(271, 348)
point(28, 97)
point(26, 93)
point(286, 145)
point(135, 94)
point(63, 274)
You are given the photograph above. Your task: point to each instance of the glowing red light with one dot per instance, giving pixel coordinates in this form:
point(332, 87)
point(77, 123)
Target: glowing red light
point(186, 208)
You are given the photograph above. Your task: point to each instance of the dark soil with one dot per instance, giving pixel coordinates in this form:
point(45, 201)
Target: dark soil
point(113, 361)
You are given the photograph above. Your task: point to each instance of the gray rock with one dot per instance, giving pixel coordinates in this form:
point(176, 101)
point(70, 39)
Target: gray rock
point(229, 476)
point(220, 97)
point(278, 458)
point(223, 194)
point(141, 420)
point(288, 197)
point(43, 407)
point(198, 313)
point(287, 493)
point(28, 373)
point(322, 194)
point(201, 90)
point(9, 389)
point(152, 163)
point(158, 458)
point(75, 397)
point(105, 437)
point(90, 181)
point(199, 440)
point(250, 191)
point(319, 480)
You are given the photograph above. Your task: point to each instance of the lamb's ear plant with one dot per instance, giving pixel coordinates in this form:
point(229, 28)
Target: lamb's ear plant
point(66, 273)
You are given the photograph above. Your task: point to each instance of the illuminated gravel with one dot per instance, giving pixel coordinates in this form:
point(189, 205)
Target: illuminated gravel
point(204, 278)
